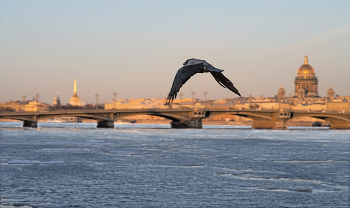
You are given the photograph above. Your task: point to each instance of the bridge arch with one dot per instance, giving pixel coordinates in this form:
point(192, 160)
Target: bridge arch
point(175, 117)
point(323, 117)
point(256, 115)
point(337, 121)
point(102, 116)
point(20, 118)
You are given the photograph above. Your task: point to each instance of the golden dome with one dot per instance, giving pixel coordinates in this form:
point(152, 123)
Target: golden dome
point(306, 68)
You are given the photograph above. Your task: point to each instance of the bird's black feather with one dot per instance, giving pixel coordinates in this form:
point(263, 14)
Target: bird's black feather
point(224, 82)
point(182, 75)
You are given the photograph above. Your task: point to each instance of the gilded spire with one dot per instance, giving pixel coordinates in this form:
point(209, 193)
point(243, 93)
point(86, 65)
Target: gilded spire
point(75, 100)
point(75, 86)
point(305, 60)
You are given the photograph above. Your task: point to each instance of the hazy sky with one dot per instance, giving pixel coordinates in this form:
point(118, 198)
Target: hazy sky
point(136, 47)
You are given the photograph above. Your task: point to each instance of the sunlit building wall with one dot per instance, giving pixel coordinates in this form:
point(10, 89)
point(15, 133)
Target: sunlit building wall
point(36, 106)
point(340, 105)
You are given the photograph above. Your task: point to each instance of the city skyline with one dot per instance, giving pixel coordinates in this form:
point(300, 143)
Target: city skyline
point(135, 48)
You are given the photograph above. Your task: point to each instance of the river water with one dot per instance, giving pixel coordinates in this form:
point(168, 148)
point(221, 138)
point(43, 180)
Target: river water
point(132, 165)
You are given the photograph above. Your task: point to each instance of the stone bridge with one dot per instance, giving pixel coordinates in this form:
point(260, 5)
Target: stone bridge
point(184, 117)
point(277, 119)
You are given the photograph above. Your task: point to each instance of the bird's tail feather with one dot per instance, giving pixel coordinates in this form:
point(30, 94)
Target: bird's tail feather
point(170, 98)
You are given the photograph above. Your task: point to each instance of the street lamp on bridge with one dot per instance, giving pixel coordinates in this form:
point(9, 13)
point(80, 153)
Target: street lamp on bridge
point(96, 100)
point(24, 101)
point(205, 99)
point(37, 97)
point(181, 99)
point(115, 99)
point(193, 93)
point(37, 101)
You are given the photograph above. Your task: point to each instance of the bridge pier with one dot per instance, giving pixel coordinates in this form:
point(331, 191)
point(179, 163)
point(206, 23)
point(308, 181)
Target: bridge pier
point(33, 124)
point(195, 121)
point(268, 124)
point(105, 124)
point(197, 124)
point(278, 121)
point(339, 125)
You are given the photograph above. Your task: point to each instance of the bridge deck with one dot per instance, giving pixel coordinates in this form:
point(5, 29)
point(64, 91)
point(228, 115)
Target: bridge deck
point(185, 117)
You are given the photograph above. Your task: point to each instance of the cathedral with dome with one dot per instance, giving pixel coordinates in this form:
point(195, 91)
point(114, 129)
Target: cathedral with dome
point(306, 81)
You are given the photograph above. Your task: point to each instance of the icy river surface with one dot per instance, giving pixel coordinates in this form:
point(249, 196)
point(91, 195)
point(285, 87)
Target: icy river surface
point(133, 165)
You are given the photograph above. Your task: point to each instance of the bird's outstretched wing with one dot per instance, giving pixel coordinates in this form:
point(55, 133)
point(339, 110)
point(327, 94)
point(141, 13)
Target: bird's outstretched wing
point(224, 82)
point(184, 74)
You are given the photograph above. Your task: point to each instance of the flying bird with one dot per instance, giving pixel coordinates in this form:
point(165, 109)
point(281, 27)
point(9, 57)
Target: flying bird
point(191, 67)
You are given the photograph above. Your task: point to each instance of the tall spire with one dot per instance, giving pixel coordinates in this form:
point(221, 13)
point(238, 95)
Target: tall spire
point(75, 86)
point(305, 60)
point(75, 100)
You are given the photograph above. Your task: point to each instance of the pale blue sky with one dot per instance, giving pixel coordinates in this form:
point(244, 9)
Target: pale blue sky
point(136, 47)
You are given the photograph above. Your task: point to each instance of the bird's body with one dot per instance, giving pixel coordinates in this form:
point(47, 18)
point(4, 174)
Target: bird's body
point(192, 67)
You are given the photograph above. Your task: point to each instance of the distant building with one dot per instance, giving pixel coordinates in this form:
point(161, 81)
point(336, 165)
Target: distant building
point(339, 105)
point(29, 105)
point(306, 84)
point(281, 94)
point(13, 105)
point(116, 105)
point(75, 100)
point(36, 106)
point(309, 107)
point(330, 93)
point(56, 100)
point(136, 104)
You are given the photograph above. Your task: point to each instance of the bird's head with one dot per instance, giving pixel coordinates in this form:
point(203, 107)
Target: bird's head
point(209, 68)
point(191, 60)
